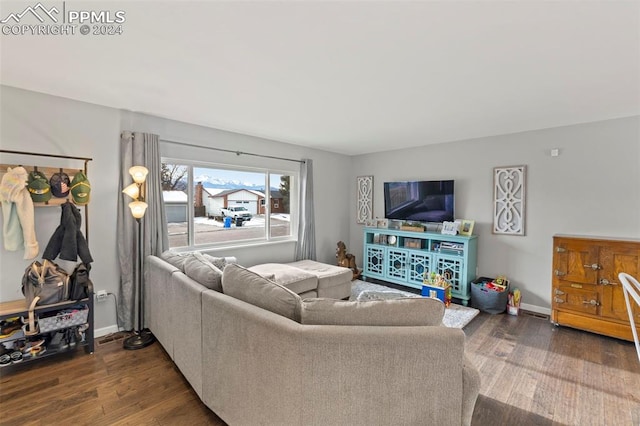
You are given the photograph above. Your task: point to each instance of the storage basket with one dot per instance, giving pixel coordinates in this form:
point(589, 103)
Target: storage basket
point(76, 315)
point(488, 300)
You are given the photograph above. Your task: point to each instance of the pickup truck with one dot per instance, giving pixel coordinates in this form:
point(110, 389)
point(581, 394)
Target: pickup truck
point(235, 212)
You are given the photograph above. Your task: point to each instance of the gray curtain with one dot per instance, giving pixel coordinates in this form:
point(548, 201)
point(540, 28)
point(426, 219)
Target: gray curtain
point(138, 149)
point(306, 247)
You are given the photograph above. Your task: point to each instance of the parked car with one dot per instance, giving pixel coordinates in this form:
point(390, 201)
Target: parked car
point(236, 212)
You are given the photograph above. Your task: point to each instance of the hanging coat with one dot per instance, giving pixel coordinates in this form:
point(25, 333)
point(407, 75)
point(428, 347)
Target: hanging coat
point(68, 240)
point(19, 229)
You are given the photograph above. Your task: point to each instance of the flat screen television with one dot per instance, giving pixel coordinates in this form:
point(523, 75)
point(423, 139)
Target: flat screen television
point(420, 201)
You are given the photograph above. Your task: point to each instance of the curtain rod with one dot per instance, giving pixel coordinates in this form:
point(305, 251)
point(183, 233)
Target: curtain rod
point(232, 151)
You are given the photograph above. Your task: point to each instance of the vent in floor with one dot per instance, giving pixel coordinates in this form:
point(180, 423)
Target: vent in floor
point(534, 314)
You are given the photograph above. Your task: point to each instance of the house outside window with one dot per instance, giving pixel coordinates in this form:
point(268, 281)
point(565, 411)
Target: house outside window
point(226, 205)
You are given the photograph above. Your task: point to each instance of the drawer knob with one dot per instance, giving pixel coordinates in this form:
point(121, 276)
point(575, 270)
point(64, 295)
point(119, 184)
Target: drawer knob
point(593, 266)
point(605, 281)
point(591, 302)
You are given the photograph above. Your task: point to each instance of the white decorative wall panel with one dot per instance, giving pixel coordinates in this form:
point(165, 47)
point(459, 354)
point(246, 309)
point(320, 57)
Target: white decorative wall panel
point(508, 200)
point(365, 199)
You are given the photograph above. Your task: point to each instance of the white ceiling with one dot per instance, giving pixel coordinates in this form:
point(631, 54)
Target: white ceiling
point(347, 76)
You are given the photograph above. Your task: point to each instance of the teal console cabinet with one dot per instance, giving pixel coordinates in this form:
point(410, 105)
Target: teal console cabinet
point(403, 257)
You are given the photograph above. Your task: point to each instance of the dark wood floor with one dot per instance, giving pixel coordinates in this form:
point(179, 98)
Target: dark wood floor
point(532, 374)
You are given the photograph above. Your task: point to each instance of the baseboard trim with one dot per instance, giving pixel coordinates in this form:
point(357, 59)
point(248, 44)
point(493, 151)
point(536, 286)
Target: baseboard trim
point(536, 309)
point(99, 332)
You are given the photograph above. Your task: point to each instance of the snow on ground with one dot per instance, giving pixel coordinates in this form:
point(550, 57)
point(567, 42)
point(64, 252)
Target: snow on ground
point(255, 220)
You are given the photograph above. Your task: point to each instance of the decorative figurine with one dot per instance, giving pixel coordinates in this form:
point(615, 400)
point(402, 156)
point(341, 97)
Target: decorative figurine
point(347, 260)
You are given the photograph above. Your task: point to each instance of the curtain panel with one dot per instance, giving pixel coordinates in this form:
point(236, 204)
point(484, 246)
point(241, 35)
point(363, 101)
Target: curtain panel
point(306, 247)
point(138, 149)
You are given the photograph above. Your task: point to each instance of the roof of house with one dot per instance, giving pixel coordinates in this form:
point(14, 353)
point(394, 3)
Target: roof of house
point(174, 197)
point(233, 191)
point(213, 191)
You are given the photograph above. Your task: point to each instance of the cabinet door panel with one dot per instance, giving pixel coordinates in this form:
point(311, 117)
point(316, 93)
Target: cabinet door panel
point(374, 265)
point(573, 260)
point(419, 263)
point(583, 299)
point(396, 264)
point(615, 260)
point(451, 268)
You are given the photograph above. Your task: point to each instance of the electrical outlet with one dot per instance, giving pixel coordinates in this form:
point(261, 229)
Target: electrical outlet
point(101, 295)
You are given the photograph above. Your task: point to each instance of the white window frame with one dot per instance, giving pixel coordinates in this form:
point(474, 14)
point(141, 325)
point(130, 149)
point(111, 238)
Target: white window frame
point(267, 239)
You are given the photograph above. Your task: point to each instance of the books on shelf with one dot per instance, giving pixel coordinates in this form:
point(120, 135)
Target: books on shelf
point(451, 247)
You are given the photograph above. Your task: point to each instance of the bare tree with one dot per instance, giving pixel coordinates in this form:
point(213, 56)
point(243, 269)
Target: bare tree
point(284, 190)
point(173, 177)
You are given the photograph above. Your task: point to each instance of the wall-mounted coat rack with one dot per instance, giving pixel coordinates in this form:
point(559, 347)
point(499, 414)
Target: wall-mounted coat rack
point(49, 171)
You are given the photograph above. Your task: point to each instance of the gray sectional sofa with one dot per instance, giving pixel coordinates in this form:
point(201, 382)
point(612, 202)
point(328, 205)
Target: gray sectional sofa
point(256, 353)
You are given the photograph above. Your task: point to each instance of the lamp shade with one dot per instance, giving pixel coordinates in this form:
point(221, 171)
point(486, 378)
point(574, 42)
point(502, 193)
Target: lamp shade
point(138, 173)
point(138, 208)
point(132, 191)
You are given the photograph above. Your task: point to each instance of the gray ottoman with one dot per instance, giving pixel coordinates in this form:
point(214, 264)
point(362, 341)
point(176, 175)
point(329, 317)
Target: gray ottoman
point(334, 282)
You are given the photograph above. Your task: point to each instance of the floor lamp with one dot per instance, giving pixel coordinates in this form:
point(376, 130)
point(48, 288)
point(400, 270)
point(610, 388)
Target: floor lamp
point(141, 338)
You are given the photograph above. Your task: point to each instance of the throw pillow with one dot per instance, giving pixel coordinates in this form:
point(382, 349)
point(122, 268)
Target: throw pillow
point(201, 270)
point(252, 288)
point(175, 258)
point(406, 311)
point(218, 262)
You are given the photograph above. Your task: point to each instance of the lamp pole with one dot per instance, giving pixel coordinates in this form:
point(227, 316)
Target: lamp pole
point(141, 338)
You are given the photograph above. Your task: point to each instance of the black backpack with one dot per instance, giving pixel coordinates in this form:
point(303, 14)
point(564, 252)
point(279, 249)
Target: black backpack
point(81, 285)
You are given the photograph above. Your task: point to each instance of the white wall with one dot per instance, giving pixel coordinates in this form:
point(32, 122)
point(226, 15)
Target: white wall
point(592, 188)
point(51, 125)
point(36, 122)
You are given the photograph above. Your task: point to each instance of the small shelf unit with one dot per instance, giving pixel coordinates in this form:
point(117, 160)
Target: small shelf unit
point(403, 257)
point(19, 308)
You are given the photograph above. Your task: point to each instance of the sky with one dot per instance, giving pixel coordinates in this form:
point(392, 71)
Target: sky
point(251, 178)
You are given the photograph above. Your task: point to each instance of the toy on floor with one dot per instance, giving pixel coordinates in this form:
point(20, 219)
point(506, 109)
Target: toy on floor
point(347, 260)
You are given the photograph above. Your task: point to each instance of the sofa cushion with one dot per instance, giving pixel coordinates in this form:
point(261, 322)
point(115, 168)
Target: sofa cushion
point(266, 275)
point(175, 258)
point(198, 268)
point(294, 279)
point(219, 262)
point(253, 288)
point(407, 311)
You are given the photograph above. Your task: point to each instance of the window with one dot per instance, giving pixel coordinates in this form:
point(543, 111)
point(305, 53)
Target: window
point(215, 205)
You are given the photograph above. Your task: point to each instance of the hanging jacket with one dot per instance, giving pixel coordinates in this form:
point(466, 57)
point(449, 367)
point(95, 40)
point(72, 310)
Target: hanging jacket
point(68, 240)
point(18, 229)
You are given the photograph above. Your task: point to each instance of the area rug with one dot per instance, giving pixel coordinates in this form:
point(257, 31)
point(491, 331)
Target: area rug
point(455, 316)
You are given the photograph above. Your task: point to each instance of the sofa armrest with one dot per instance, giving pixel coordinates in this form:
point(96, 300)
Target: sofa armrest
point(187, 328)
point(158, 294)
point(471, 389)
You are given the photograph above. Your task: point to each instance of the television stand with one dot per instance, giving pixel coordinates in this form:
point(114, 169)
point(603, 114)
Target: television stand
point(403, 257)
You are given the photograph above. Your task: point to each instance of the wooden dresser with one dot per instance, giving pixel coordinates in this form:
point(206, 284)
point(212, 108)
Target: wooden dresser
point(586, 293)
